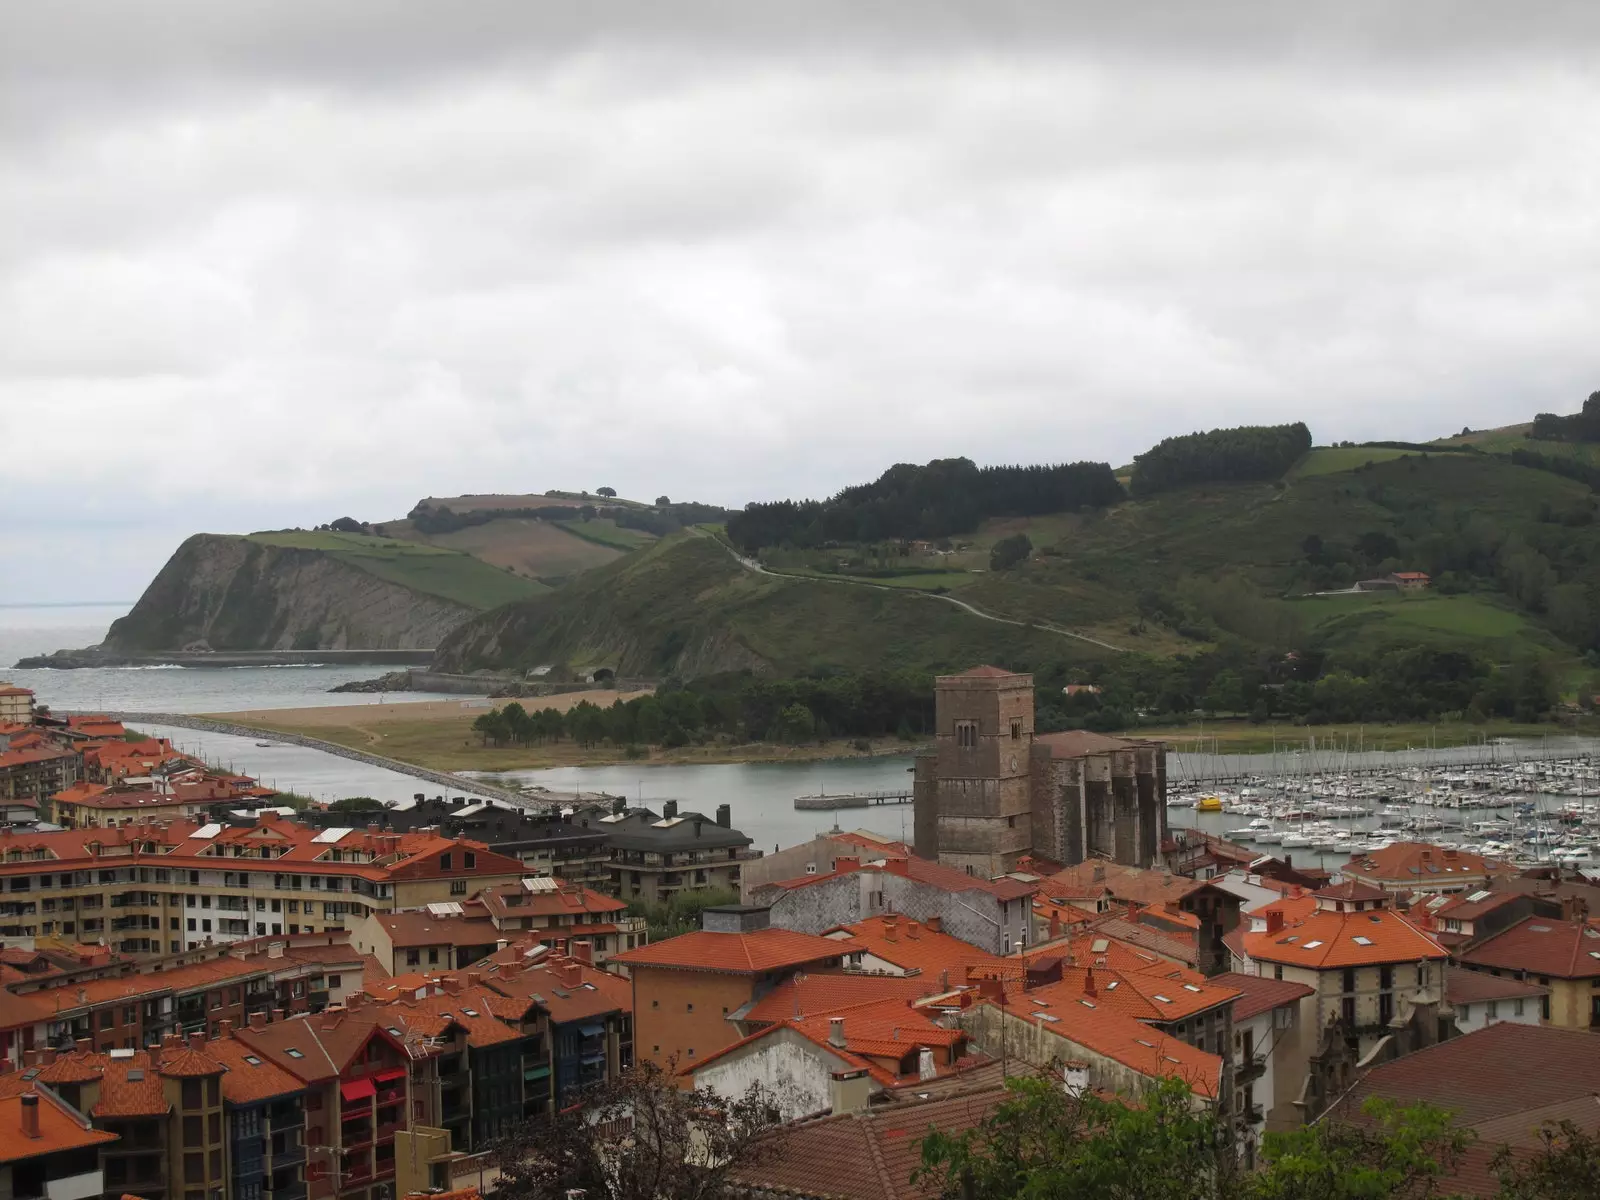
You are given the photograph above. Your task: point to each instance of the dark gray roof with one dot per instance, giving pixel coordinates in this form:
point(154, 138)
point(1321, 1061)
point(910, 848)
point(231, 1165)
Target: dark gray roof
point(640, 829)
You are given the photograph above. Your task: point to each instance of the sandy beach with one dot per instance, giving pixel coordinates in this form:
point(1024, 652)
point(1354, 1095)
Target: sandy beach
point(376, 711)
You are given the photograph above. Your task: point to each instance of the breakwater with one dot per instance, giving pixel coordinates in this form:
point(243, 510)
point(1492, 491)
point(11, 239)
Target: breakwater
point(455, 783)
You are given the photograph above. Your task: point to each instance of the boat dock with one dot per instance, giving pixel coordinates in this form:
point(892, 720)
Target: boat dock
point(852, 800)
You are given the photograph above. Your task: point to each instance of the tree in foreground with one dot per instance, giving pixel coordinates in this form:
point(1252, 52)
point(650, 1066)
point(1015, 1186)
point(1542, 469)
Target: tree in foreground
point(639, 1137)
point(1566, 1166)
point(1043, 1144)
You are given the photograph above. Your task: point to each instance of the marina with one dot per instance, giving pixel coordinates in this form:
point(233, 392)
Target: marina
point(824, 803)
point(1520, 802)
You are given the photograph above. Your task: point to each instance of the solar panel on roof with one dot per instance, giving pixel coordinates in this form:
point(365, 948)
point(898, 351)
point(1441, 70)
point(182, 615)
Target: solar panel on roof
point(1099, 945)
point(1362, 941)
point(445, 908)
point(207, 831)
point(1311, 945)
point(329, 836)
point(136, 1075)
point(541, 883)
point(1477, 896)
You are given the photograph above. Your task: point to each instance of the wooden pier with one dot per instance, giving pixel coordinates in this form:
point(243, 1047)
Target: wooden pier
point(852, 800)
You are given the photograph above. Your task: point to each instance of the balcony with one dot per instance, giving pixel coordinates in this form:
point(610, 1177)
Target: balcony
point(290, 1156)
point(1250, 1069)
point(75, 1187)
point(387, 1130)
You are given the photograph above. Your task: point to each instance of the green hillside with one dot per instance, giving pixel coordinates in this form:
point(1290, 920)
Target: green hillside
point(686, 606)
point(434, 571)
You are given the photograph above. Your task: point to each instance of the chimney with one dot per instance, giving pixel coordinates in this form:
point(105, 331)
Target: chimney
point(452, 985)
point(944, 980)
point(224, 1028)
point(583, 950)
point(1274, 921)
point(374, 827)
point(669, 809)
point(258, 1020)
point(725, 815)
point(935, 924)
point(1055, 926)
point(836, 1031)
point(83, 1045)
point(849, 1091)
point(30, 1115)
point(913, 929)
point(1574, 908)
point(891, 931)
point(197, 1041)
point(474, 978)
point(48, 1057)
point(1088, 982)
point(30, 1058)
point(573, 974)
point(847, 862)
point(277, 1014)
point(1075, 1077)
point(1133, 912)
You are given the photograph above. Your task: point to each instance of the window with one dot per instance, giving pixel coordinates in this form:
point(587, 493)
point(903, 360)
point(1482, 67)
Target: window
point(1516, 1008)
point(1494, 1009)
point(433, 957)
point(192, 1131)
point(1349, 979)
point(1277, 970)
point(444, 862)
point(688, 1008)
point(413, 957)
point(966, 734)
point(191, 1097)
point(458, 887)
point(191, 924)
point(469, 860)
point(1016, 729)
point(194, 1168)
point(333, 981)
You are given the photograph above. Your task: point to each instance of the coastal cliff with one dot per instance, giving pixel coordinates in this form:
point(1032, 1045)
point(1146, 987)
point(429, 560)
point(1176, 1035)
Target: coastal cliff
point(223, 592)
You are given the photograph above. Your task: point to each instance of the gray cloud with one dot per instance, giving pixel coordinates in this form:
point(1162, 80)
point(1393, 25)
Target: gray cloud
point(264, 264)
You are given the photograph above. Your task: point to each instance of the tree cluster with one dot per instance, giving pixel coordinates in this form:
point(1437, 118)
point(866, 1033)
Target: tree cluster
point(1009, 552)
point(1305, 686)
point(1250, 453)
point(944, 497)
point(1582, 426)
point(741, 707)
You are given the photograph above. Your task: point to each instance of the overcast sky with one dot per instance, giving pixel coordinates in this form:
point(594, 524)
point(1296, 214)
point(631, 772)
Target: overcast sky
point(268, 262)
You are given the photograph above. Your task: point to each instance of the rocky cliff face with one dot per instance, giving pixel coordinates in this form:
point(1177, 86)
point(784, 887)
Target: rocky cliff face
point(228, 593)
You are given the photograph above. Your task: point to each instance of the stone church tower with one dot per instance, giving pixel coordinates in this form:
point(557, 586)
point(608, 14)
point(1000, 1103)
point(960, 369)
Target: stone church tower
point(972, 795)
point(992, 791)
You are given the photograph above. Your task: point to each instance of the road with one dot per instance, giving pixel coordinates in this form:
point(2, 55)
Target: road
point(752, 565)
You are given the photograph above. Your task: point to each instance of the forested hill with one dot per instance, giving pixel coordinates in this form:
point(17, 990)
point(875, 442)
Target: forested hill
point(947, 496)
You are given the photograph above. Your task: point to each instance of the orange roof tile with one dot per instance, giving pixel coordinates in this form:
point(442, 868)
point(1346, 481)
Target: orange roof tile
point(1418, 864)
point(60, 1128)
point(734, 953)
point(819, 995)
point(131, 1087)
point(1259, 993)
point(1323, 940)
point(250, 1078)
point(911, 945)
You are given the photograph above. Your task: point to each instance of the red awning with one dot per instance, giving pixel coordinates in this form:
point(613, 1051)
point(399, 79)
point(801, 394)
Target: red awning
point(391, 1075)
point(357, 1089)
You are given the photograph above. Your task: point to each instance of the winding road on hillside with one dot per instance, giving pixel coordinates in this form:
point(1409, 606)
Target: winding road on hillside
point(750, 564)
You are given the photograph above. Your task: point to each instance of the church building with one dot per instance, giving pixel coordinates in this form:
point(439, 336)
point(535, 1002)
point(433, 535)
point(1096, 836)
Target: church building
point(993, 791)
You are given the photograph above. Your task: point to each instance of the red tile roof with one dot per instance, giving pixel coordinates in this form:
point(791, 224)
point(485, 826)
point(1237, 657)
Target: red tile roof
point(1145, 887)
point(131, 1087)
point(1541, 946)
point(565, 988)
point(1472, 987)
point(911, 945)
point(60, 1128)
point(1259, 994)
point(865, 1156)
point(1119, 1036)
point(734, 953)
point(818, 995)
point(250, 1078)
point(411, 929)
point(1418, 863)
point(1324, 940)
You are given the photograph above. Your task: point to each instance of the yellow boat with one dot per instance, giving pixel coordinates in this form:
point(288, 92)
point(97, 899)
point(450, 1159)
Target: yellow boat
point(1208, 804)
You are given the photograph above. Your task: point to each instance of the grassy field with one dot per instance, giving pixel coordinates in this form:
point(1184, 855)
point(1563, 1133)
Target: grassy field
point(1331, 460)
point(608, 533)
point(1386, 618)
point(1241, 737)
point(1515, 437)
point(432, 570)
point(532, 548)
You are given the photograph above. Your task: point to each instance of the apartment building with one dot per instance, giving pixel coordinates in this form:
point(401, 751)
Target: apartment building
point(654, 858)
point(36, 772)
point(1560, 957)
point(47, 1147)
point(689, 992)
point(16, 705)
point(571, 849)
point(561, 914)
point(110, 1006)
point(161, 887)
point(1366, 964)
